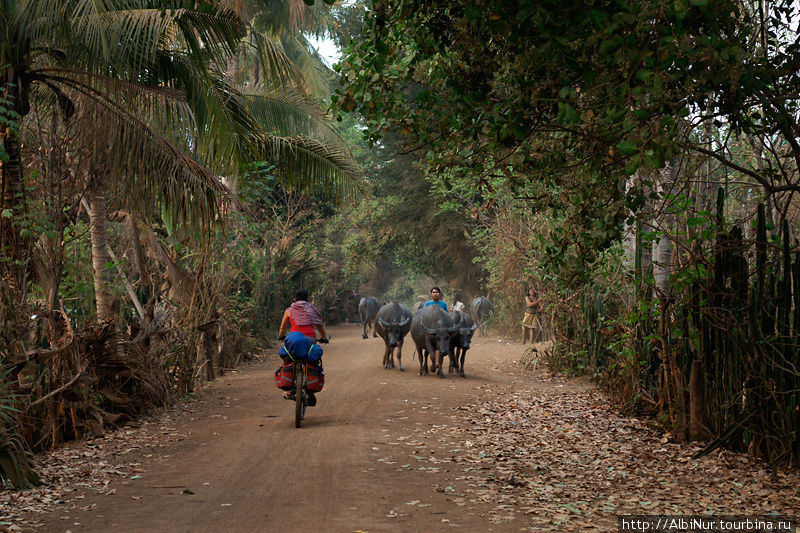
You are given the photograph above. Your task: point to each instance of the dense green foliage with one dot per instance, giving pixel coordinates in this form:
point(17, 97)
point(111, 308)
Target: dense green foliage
point(588, 141)
point(570, 98)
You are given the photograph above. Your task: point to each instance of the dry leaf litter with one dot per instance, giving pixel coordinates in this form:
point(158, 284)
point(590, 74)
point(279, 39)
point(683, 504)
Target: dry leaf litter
point(92, 467)
point(545, 456)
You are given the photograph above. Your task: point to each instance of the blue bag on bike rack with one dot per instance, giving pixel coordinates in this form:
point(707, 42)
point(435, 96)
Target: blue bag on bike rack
point(298, 346)
point(314, 353)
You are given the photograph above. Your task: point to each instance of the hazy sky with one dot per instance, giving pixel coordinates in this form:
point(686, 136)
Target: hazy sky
point(327, 49)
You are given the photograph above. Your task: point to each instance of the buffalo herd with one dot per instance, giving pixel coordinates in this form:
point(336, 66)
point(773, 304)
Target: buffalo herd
point(436, 333)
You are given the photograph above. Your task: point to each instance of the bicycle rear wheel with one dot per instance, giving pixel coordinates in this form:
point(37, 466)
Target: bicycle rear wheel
point(299, 401)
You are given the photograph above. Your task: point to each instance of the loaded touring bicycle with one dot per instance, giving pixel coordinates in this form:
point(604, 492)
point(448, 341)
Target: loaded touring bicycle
point(301, 373)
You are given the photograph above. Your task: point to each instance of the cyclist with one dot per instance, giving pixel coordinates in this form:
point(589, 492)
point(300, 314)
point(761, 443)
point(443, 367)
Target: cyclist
point(303, 317)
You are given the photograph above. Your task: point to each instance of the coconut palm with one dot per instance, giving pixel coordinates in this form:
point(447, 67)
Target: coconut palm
point(163, 118)
point(288, 26)
point(290, 23)
point(56, 49)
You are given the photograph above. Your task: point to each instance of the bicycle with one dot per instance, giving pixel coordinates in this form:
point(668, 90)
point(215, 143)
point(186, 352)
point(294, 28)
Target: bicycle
point(299, 393)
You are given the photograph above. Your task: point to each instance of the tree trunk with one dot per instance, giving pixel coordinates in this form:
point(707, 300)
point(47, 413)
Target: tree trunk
point(100, 258)
point(706, 183)
point(629, 236)
point(662, 254)
point(644, 264)
point(757, 144)
point(232, 183)
point(662, 265)
point(698, 426)
point(10, 209)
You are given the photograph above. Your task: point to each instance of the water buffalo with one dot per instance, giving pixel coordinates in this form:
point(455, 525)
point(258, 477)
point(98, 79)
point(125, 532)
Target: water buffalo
point(461, 340)
point(481, 309)
point(392, 324)
point(431, 330)
point(418, 305)
point(368, 309)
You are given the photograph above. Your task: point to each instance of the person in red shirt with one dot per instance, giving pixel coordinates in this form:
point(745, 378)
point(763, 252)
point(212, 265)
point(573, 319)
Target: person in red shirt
point(304, 317)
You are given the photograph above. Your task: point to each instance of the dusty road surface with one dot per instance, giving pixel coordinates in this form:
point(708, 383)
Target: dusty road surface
point(503, 449)
point(249, 469)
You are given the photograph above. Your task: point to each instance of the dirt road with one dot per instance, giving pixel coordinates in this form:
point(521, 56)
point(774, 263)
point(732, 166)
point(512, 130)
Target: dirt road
point(501, 450)
point(249, 469)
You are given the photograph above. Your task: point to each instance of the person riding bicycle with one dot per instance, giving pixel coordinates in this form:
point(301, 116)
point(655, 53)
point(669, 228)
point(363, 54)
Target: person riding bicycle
point(303, 317)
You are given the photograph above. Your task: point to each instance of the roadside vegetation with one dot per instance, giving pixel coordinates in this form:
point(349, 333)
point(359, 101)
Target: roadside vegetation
point(172, 171)
point(637, 162)
point(160, 162)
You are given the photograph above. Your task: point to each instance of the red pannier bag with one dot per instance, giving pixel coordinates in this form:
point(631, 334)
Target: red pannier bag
point(315, 377)
point(284, 376)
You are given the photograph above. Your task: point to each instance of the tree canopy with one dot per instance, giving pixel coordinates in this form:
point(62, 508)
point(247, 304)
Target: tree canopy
point(568, 99)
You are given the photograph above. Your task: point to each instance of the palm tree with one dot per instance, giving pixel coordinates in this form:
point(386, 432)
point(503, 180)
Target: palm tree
point(290, 23)
point(287, 25)
point(55, 48)
point(144, 81)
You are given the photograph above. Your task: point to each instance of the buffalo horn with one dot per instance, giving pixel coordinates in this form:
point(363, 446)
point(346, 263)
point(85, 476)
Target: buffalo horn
point(455, 328)
point(429, 330)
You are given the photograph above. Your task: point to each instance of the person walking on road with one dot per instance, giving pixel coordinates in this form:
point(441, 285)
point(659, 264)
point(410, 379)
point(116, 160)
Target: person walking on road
point(436, 299)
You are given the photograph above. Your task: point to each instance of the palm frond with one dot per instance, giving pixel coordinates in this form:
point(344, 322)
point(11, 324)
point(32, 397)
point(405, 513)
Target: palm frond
point(226, 134)
point(292, 16)
point(282, 111)
point(309, 63)
point(123, 36)
point(271, 60)
point(141, 137)
point(311, 165)
point(128, 39)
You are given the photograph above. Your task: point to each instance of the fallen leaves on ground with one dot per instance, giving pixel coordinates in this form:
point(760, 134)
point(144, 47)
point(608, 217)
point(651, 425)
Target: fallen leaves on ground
point(79, 467)
point(545, 456)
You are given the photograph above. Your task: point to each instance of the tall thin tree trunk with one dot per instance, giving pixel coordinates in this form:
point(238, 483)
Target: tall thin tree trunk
point(629, 236)
point(757, 144)
point(698, 423)
point(232, 183)
point(100, 258)
point(703, 193)
point(644, 248)
point(662, 254)
point(662, 264)
point(10, 208)
point(712, 182)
